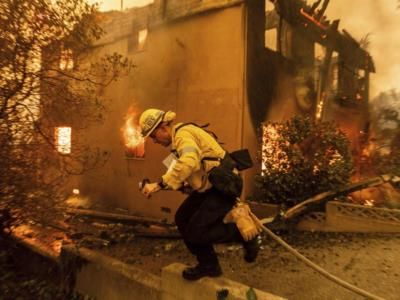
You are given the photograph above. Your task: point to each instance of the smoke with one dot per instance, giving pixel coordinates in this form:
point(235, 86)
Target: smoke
point(106, 5)
point(381, 19)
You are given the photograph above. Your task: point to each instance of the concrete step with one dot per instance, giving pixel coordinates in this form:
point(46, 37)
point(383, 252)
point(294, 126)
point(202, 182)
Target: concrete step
point(102, 277)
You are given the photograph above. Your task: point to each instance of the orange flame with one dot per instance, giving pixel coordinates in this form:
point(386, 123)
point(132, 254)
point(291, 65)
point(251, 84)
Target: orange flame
point(133, 139)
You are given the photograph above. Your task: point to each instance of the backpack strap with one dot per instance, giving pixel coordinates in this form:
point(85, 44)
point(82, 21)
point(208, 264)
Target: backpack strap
point(209, 158)
point(239, 159)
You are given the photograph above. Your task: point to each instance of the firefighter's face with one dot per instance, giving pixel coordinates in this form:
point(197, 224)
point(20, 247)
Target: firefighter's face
point(161, 135)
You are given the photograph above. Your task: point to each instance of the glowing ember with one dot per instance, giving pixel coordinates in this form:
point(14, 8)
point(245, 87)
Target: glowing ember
point(63, 139)
point(133, 139)
point(336, 157)
point(318, 113)
point(277, 159)
point(369, 202)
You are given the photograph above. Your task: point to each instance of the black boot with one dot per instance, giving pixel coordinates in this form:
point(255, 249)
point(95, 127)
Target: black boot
point(251, 249)
point(199, 271)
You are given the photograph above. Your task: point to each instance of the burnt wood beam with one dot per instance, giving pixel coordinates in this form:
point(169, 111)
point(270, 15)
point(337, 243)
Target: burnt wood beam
point(112, 216)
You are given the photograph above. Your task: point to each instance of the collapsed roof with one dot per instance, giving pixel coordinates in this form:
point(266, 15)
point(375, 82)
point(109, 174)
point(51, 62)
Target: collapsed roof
point(313, 22)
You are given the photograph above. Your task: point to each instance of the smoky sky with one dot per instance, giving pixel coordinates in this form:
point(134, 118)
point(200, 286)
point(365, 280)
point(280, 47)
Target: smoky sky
point(106, 5)
point(381, 19)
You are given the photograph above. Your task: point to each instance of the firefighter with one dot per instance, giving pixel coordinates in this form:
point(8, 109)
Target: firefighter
point(200, 217)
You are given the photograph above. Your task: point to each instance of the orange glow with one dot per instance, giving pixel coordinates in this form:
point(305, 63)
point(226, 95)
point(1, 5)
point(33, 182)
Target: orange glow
point(320, 107)
point(133, 140)
point(319, 110)
point(63, 139)
point(66, 59)
point(142, 39)
point(312, 19)
point(276, 157)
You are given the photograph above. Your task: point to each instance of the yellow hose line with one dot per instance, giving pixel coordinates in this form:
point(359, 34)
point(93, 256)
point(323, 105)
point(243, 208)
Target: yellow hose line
point(317, 268)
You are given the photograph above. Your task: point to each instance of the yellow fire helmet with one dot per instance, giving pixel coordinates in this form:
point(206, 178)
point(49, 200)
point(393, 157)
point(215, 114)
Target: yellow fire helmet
point(149, 120)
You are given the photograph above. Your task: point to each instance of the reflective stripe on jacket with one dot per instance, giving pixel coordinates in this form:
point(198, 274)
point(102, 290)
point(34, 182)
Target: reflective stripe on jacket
point(192, 144)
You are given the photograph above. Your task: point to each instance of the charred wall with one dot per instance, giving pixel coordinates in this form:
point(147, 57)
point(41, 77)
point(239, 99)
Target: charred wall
point(260, 69)
point(269, 86)
point(193, 66)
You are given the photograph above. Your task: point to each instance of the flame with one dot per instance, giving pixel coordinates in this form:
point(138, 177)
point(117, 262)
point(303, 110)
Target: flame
point(320, 106)
point(133, 140)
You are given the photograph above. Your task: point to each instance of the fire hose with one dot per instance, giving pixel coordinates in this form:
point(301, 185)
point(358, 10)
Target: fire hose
point(314, 266)
point(301, 257)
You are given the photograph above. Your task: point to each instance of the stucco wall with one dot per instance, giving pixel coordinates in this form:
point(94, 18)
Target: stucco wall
point(194, 67)
point(269, 88)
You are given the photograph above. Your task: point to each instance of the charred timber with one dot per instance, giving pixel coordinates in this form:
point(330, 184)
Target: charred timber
point(309, 204)
point(301, 17)
point(157, 232)
point(113, 217)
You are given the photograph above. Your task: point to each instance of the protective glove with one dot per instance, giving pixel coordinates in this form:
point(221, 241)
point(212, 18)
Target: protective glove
point(150, 188)
point(240, 215)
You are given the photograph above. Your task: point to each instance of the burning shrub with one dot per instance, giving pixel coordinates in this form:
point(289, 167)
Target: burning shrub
point(301, 158)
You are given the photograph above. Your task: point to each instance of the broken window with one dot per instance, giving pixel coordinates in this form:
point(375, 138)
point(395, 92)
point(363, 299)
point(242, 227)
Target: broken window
point(271, 39)
point(352, 83)
point(137, 41)
point(142, 36)
point(361, 84)
point(269, 5)
point(63, 139)
point(319, 56)
point(335, 73)
point(136, 152)
point(66, 59)
point(271, 26)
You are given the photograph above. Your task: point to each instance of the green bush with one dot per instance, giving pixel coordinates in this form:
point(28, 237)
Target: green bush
point(301, 158)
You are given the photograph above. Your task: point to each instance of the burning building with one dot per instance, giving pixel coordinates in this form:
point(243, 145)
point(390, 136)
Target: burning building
point(231, 63)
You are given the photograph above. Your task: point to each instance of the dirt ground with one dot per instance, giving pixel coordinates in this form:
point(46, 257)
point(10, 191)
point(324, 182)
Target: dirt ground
point(369, 261)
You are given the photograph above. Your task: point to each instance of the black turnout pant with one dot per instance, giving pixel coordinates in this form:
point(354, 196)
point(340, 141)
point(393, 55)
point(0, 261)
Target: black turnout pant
point(199, 220)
